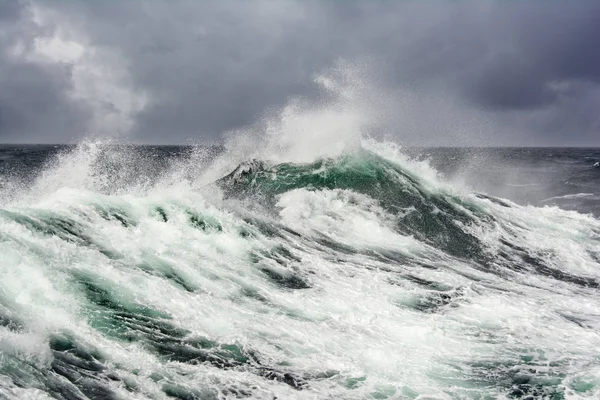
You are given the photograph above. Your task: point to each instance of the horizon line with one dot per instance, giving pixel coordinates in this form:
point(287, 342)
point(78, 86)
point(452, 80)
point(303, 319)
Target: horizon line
point(403, 146)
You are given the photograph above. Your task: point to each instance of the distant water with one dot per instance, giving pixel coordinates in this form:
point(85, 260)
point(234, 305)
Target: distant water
point(566, 177)
point(175, 272)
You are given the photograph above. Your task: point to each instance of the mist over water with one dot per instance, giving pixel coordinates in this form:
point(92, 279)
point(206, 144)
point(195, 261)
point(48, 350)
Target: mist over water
point(303, 259)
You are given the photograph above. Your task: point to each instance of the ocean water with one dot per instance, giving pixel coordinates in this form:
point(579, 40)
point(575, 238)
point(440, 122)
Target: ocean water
point(371, 272)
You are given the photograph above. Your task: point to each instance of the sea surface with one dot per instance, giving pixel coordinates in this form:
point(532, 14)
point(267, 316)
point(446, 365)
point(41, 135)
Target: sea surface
point(148, 272)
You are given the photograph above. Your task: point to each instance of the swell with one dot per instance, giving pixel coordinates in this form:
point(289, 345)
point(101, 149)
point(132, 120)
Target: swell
point(431, 216)
point(223, 299)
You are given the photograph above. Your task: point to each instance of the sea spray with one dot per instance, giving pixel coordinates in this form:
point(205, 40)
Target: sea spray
point(292, 267)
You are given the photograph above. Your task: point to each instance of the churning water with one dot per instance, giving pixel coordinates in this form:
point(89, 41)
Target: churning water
point(132, 273)
point(308, 262)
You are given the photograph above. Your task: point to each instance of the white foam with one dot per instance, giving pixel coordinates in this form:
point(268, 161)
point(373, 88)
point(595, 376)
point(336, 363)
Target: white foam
point(359, 319)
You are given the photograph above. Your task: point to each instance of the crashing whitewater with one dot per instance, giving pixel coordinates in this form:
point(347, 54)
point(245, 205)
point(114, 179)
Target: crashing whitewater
point(307, 263)
point(359, 276)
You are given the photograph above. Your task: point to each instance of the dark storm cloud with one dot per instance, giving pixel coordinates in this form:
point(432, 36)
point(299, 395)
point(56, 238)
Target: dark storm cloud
point(529, 70)
point(33, 104)
point(544, 46)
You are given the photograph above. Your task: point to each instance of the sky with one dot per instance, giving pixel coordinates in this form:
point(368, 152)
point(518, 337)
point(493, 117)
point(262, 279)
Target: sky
point(466, 73)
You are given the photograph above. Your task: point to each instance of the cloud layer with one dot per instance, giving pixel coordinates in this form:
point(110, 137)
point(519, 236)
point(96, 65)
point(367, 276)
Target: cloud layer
point(467, 73)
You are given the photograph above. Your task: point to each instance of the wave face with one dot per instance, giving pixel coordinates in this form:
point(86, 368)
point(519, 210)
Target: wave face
point(358, 276)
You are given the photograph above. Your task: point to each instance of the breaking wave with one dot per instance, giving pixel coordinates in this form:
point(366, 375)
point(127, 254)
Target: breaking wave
point(360, 276)
point(354, 274)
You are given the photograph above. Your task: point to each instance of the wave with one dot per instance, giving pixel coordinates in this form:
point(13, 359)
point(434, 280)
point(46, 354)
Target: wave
point(568, 196)
point(522, 185)
point(299, 260)
point(355, 276)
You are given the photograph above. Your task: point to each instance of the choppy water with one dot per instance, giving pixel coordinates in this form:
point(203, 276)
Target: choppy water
point(153, 273)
